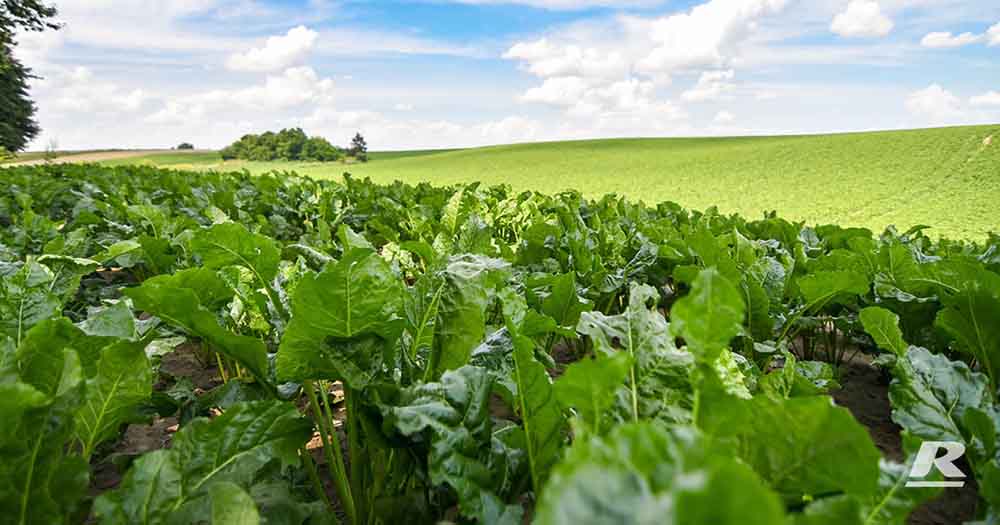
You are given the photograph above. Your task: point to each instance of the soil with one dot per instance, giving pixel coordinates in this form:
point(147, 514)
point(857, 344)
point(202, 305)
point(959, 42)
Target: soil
point(865, 393)
point(94, 156)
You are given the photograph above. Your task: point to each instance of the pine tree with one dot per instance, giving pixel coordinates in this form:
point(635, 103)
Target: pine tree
point(17, 111)
point(359, 148)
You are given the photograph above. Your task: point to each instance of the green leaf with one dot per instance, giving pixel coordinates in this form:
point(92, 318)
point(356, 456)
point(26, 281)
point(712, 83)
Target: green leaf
point(645, 474)
point(124, 381)
point(800, 446)
point(115, 320)
point(39, 482)
point(27, 298)
point(829, 287)
point(970, 318)
point(173, 299)
point(883, 326)
point(470, 281)
point(231, 448)
point(931, 394)
point(586, 386)
point(658, 378)
point(231, 244)
point(231, 505)
point(67, 272)
point(710, 316)
point(40, 353)
point(345, 319)
point(562, 302)
point(536, 402)
point(454, 413)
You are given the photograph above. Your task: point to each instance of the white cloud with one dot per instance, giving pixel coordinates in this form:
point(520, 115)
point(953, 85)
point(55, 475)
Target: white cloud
point(934, 104)
point(947, 40)
point(292, 88)
point(724, 117)
point(706, 37)
point(78, 90)
point(279, 52)
point(712, 85)
point(548, 59)
point(993, 35)
point(862, 18)
point(403, 107)
point(991, 98)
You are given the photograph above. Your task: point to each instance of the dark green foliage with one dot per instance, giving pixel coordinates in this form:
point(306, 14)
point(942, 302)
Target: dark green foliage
point(359, 148)
point(185, 146)
point(287, 144)
point(17, 111)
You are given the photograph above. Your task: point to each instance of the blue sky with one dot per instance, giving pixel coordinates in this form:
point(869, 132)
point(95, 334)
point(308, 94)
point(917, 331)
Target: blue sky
point(447, 73)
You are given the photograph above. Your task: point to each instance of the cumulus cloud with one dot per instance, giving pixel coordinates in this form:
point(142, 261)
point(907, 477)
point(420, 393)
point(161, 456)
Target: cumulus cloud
point(947, 40)
point(622, 67)
point(79, 90)
point(279, 52)
point(565, 5)
point(707, 36)
point(548, 59)
point(712, 85)
point(294, 87)
point(993, 35)
point(934, 103)
point(862, 18)
point(991, 98)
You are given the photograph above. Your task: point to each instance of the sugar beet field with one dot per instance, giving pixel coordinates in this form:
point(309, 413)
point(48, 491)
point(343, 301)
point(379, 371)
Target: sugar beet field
point(197, 347)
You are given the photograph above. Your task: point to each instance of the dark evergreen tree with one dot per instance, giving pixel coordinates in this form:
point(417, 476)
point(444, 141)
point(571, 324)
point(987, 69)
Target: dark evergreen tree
point(359, 148)
point(17, 111)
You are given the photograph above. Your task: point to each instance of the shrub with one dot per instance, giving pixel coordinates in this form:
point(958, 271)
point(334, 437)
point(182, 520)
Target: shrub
point(185, 145)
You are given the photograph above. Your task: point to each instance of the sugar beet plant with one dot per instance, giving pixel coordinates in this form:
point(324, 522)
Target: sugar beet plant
point(412, 354)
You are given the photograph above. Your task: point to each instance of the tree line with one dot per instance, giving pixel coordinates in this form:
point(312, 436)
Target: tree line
point(292, 144)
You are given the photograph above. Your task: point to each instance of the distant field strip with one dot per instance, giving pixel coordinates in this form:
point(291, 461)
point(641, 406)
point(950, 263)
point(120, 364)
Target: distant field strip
point(946, 177)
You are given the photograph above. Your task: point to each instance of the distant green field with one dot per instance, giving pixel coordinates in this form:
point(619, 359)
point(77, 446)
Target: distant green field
point(948, 178)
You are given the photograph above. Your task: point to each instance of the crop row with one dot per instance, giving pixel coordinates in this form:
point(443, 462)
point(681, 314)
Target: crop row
point(412, 354)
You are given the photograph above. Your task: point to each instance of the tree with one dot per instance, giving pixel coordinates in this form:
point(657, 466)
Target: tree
point(17, 111)
point(185, 145)
point(287, 144)
point(359, 148)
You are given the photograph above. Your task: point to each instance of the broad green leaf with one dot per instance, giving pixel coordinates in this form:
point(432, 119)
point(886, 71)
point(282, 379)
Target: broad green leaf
point(930, 395)
point(115, 320)
point(40, 353)
point(231, 448)
point(800, 446)
point(231, 244)
point(971, 317)
point(67, 272)
point(27, 298)
point(536, 402)
point(345, 319)
point(586, 386)
point(708, 317)
point(173, 299)
point(123, 382)
point(883, 326)
point(470, 282)
point(562, 302)
point(658, 379)
point(645, 474)
point(39, 482)
point(454, 413)
point(231, 505)
point(830, 287)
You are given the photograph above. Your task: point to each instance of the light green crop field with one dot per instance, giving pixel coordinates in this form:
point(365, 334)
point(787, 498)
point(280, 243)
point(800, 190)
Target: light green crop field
point(948, 178)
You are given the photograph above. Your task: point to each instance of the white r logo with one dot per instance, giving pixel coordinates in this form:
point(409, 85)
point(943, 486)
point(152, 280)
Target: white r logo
point(927, 458)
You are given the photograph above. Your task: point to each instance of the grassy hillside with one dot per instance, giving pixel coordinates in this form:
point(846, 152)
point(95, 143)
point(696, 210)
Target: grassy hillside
point(948, 177)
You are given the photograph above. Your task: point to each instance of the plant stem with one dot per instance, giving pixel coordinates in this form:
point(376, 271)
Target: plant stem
point(310, 465)
point(222, 368)
point(334, 458)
